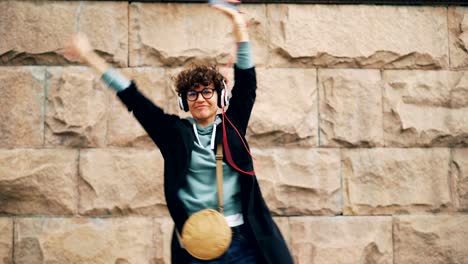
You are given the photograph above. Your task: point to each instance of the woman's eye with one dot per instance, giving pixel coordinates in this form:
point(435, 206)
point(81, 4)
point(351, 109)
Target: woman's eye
point(206, 91)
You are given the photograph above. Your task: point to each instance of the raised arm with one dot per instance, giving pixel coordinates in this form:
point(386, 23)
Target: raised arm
point(245, 83)
point(156, 123)
point(79, 49)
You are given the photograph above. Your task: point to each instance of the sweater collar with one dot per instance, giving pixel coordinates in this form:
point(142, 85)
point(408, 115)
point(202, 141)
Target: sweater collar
point(199, 130)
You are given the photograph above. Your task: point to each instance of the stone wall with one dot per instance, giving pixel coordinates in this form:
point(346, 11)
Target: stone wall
point(360, 130)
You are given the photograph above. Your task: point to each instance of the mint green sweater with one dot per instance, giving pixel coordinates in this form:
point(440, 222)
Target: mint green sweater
point(200, 192)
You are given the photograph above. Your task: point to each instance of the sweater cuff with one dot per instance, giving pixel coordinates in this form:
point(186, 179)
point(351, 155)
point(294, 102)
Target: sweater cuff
point(244, 55)
point(115, 80)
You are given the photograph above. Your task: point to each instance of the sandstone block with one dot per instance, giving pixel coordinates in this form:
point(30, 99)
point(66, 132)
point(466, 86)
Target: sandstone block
point(76, 108)
point(390, 181)
point(425, 108)
point(358, 36)
point(162, 236)
point(38, 181)
point(283, 226)
point(285, 112)
point(350, 108)
point(21, 106)
point(124, 129)
point(341, 240)
point(177, 34)
point(458, 36)
point(459, 172)
point(6, 238)
point(42, 28)
point(84, 240)
point(431, 239)
point(300, 181)
point(121, 181)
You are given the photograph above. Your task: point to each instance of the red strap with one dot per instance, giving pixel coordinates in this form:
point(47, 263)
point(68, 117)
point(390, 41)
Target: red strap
point(226, 147)
point(225, 143)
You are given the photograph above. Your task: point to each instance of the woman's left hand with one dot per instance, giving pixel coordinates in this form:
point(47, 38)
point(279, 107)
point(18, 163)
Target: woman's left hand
point(240, 25)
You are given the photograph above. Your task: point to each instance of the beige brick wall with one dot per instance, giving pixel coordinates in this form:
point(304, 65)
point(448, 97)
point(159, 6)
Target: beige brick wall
point(360, 129)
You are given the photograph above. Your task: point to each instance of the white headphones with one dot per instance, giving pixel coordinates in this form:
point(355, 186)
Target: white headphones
point(224, 96)
point(223, 99)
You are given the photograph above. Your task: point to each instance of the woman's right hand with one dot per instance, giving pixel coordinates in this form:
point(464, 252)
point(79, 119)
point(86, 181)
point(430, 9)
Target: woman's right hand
point(78, 48)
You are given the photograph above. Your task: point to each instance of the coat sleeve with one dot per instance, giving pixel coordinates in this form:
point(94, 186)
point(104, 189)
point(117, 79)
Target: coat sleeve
point(158, 125)
point(243, 97)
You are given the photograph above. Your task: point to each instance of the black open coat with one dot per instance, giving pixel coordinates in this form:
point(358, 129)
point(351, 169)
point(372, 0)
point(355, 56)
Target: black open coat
point(175, 138)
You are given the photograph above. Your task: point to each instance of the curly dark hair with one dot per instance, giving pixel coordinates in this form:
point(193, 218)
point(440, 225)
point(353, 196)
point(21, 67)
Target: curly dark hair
point(197, 75)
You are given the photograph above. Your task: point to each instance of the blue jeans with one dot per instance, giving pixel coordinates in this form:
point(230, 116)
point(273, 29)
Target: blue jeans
point(241, 251)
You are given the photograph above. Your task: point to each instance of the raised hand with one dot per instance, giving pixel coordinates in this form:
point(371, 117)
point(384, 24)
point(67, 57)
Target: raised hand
point(240, 25)
point(77, 48)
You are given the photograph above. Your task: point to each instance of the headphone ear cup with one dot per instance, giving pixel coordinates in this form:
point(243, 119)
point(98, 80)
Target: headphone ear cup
point(223, 98)
point(226, 98)
point(183, 104)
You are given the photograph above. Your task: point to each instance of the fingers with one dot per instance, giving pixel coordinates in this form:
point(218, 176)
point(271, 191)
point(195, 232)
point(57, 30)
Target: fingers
point(235, 15)
point(229, 11)
point(67, 51)
point(229, 7)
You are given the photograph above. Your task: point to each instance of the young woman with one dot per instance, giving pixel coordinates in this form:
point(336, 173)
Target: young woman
point(188, 147)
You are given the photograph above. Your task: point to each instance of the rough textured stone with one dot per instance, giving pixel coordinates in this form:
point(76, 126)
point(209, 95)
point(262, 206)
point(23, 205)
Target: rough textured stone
point(6, 239)
point(459, 172)
point(80, 240)
point(391, 181)
point(304, 112)
point(425, 108)
point(42, 28)
point(350, 108)
point(38, 181)
point(76, 108)
point(106, 24)
point(458, 36)
point(163, 228)
point(431, 239)
point(299, 181)
point(358, 36)
point(285, 112)
point(283, 226)
point(342, 240)
point(21, 106)
point(175, 34)
point(124, 129)
point(121, 181)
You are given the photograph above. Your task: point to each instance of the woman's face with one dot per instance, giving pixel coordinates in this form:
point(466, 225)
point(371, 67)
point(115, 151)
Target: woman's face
point(202, 102)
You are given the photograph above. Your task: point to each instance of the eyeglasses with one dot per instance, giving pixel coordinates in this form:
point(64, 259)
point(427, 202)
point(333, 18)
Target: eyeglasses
point(206, 93)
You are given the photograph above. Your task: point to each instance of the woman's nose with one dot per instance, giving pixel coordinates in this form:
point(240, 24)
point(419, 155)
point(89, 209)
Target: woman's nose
point(200, 98)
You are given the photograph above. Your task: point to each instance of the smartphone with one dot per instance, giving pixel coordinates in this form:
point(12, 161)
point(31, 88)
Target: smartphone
point(224, 3)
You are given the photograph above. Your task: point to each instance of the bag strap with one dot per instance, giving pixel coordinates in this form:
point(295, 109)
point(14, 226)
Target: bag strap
point(219, 177)
point(219, 183)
